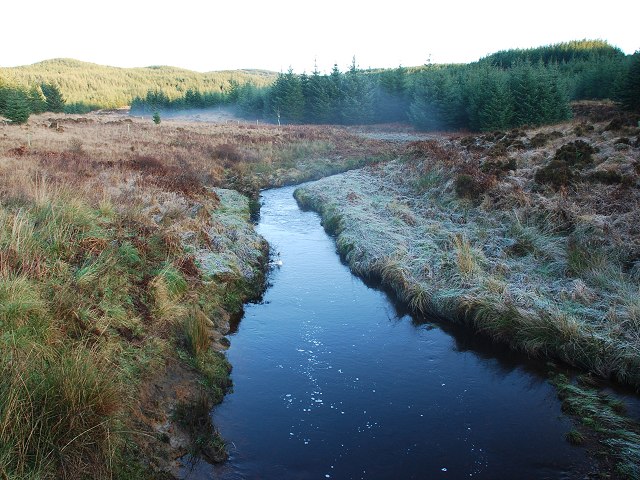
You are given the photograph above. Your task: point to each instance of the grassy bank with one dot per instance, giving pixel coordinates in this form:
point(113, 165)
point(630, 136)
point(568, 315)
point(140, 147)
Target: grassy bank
point(123, 253)
point(530, 237)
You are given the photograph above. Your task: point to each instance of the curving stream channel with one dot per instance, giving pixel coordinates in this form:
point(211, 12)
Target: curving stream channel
point(333, 380)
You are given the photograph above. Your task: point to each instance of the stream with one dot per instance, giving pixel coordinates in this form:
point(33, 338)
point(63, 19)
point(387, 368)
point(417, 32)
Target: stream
point(332, 379)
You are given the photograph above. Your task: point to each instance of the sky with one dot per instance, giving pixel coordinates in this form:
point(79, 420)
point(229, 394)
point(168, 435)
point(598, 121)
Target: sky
point(210, 35)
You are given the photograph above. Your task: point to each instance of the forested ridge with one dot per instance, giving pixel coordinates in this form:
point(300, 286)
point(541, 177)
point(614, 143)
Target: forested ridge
point(507, 89)
point(88, 86)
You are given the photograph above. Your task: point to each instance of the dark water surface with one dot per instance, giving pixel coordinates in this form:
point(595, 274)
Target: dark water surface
point(331, 380)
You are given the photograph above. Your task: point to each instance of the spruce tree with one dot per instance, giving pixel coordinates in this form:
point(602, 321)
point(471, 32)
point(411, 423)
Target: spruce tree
point(37, 100)
point(287, 99)
point(17, 106)
point(54, 99)
point(438, 101)
point(357, 97)
point(631, 92)
point(489, 99)
point(317, 100)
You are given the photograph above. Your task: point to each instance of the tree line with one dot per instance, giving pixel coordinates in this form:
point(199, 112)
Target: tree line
point(17, 102)
point(504, 90)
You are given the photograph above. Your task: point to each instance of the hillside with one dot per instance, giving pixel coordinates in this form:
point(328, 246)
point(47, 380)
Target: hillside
point(110, 87)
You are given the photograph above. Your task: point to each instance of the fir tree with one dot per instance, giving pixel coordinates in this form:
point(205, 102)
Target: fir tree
point(489, 99)
point(317, 100)
point(54, 99)
point(17, 106)
point(631, 92)
point(286, 99)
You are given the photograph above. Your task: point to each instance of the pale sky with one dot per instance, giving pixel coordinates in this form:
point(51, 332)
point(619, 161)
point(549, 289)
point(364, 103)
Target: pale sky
point(278, 34)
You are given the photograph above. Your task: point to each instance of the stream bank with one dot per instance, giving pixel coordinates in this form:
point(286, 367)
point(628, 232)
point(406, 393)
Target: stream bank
point(456, 230)
point(332, 379)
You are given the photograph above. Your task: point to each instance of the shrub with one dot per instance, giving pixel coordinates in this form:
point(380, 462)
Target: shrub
point(575, 153)
point(557, 173)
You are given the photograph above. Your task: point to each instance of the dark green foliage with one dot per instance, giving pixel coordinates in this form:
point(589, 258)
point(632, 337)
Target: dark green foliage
point(37, 100)
point(539, 98)
point(438, 102)
point(392, 96)
point(490, 103)
point(249, 99)
point(53, 97)
point(156, 118)
point(317, 93)
point(558, 53)
point(575, 153)
point(286, 100)
point(17, 107)
point(357, 97)
point(631, 93)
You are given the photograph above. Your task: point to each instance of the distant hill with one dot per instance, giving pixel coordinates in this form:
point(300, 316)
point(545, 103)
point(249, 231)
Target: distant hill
point(564, 52)
point(109, 87)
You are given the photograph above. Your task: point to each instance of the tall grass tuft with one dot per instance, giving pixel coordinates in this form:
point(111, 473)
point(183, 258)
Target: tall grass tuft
point(196, 328)
point(58, 412)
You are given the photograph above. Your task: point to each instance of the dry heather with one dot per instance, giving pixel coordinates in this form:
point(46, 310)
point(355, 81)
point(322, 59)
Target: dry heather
point(467, 228)
point(122, 256)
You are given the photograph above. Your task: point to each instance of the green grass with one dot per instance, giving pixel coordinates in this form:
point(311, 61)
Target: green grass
point(90, 304)
point(603, 416)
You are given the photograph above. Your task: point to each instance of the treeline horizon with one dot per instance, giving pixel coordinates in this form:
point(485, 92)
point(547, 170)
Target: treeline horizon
point(508, 89)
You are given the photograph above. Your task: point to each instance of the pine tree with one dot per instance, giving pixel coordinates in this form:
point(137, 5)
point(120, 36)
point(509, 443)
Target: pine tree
point(631, 91)
point(37, 100)
point(156, 118)
point(54, 99)
point(489, 99)
point(287, 99)
point(17, 106)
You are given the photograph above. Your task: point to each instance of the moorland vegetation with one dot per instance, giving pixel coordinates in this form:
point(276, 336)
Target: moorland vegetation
point(126, 245)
